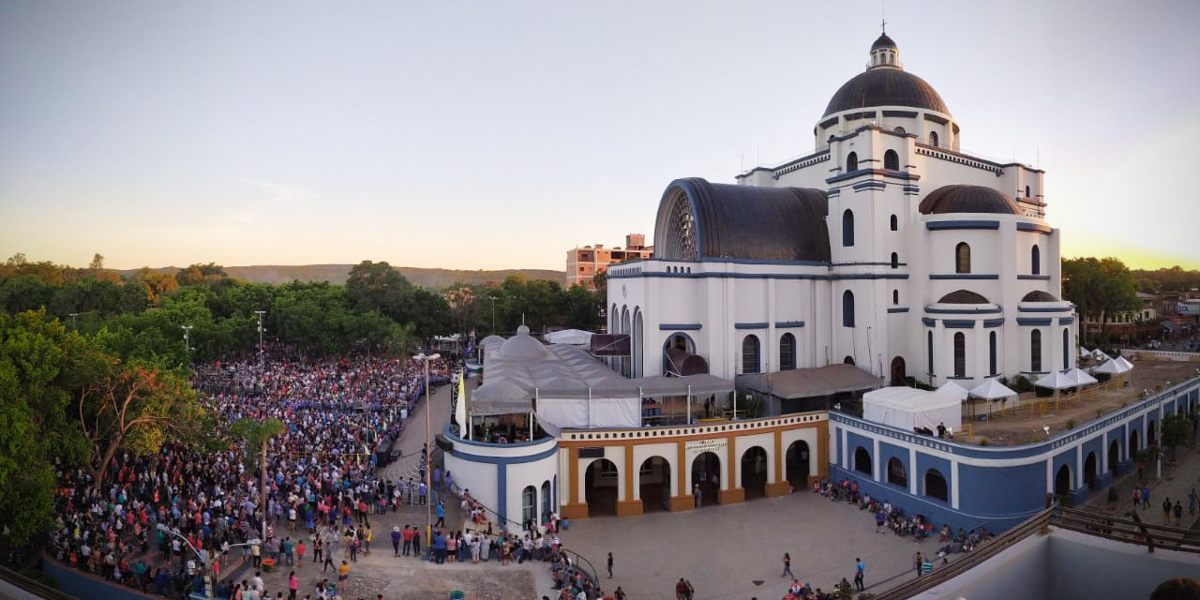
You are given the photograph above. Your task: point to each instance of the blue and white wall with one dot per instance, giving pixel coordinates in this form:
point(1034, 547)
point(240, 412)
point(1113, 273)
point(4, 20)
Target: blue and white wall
point(498, 474)
point(999, 486)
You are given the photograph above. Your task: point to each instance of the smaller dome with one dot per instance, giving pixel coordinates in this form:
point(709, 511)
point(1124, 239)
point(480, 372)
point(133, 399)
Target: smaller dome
point(963, 297)
point(884, 42)
point(950, 199)
point(521, 346)
point(1039, 296)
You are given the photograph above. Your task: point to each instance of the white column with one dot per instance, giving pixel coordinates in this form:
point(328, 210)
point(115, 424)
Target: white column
point(1104, 452)
point(1050, 475)
point(1144, 439)
point(845, 450)
point(875, 459)
point(954, 483)
point(912, 471)
point(1078, 464)
point(1125, 444)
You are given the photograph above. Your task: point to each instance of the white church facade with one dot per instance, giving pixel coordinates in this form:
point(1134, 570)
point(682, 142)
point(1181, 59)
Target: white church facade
point(886, 248)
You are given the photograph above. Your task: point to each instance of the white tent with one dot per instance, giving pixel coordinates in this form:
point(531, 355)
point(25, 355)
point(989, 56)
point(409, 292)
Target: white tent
point(992, 389)
point(1125, 363)
point(1056, 380)
point(1084, 352)
point(574, 337)
point(1081, 378)
point(953, 390)
point(1099, 355)
point(909, 408)
point(1112, 367)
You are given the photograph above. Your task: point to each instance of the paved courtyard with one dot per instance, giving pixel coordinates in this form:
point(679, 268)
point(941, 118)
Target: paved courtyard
point(736, 551)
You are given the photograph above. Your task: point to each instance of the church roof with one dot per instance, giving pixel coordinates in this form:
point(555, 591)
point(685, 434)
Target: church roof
point(886, 87)
point(967, 199)
point(963, 297)
point(883, 42)
point(1039, 296)
point(698, 219)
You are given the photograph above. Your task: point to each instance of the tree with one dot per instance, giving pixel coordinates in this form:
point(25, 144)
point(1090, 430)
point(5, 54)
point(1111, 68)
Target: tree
point(155, 284)
point(1175, 430)
point(135, 406)
point(38, 372)
point(377, 286)
point(1100, 288)
point(211, 275)
point(257, 435)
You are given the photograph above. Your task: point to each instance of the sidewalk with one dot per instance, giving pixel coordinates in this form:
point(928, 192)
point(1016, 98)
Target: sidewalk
point(1179, 478)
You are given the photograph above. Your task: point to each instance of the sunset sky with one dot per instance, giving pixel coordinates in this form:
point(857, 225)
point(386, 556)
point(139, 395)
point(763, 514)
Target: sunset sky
point(500, 134)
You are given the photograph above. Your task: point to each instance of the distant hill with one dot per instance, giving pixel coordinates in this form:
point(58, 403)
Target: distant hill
point(428, 278)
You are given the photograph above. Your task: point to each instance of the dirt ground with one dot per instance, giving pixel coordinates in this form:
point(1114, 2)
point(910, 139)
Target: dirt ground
point(1024, 424)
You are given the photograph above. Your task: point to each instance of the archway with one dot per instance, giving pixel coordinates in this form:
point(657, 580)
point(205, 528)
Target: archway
point(600, 487)
point(849, 360)
point(1114, 456)
point(896, 473)
point(546, 510)
point(1151, 435)
point(654, 484)
point(1090, 470)
point(529, 507)
point(1062, 481)
point(706, 478)
point(1133, 443)
point(898, 372)
point(796, 464)
point(862, 460)
point(754, 472)
point(935, 485)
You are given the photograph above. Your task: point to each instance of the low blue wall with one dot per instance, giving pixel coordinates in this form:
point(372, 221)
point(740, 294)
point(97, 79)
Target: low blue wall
point(81, 585)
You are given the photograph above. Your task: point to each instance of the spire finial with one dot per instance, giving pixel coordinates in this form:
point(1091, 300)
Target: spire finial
point(883, 25)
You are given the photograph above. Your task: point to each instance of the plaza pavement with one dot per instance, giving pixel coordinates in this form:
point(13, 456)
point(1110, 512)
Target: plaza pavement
point(1179, 478)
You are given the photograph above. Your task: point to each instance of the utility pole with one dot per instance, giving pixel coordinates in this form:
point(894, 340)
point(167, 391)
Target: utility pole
point(262, 486)
point(493, 299)
point(73, 315)
point(428, 448)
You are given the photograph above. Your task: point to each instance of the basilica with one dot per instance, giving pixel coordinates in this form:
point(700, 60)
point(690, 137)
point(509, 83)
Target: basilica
point(887, 248)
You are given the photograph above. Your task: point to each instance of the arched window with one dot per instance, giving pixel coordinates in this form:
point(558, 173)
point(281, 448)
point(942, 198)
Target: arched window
point(895, 260)
point(896, 473)
point(891, 160)
point(896, 297)
point(851, 162)
point(1035, 260)
point(830, 140)
point(962, 258)
point(1035, 350)
point(849, 360)
point(935, 485)
point(750, 354)
point(529, 504)
point(1026, 191)
point(929, 350)
point(960, 354)
point(862, 460)
point(933, 138)
point(787, 352)
point(900, 130)
point(992, 353)
point(847, 309)
point(1066, 348)
point(848, 228)
point(895, 223)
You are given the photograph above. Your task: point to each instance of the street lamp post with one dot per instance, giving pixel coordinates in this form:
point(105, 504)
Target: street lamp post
point(428, 448)
point(73, 315)
point(187, 343)
point(493, 299)
point(260, 314)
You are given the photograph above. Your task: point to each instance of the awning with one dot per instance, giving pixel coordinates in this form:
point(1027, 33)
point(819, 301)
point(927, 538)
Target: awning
point(810, 383)
point(500, 398)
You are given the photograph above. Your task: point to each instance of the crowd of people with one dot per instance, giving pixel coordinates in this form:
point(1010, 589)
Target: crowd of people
point(155, 522)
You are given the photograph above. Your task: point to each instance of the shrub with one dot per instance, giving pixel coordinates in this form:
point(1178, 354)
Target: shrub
point(1020, 384)
point(1044, 392)
point(983, 441)
point(1103, 377)
point(1070, 423)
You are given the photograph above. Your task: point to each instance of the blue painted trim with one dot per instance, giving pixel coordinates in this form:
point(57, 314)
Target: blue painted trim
point(867, 264)
point(1032, 321)
point(502, 460)
point(929, 322)
point(1066, 320)
point(903, 175)
point(679, 326)
point(759, 261)
point(759, 325)
point(961, 224)
point(461, 440)
point(1034, 277)
point(1036, 309)
point(903, 309)
point(940, 276)
point(502, 492)
point(958, 324)
point(1038, 227)
point(993, 323)
point(788, 324)
point(870, 185)
point(964, 311)
point(780, 276)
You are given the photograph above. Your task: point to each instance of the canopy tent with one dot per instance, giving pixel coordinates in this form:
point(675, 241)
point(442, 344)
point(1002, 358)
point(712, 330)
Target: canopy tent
point(1056, 380)
point(500, 398)
point(696, 385)
point(992, 389)
point(573, 337)
point(954, 390)
point(1081, 378)
point(909, 408)
point(810, 383)
point(1099, 355)
point(1084, 352)
point(1125, 363)
point(1111, 367)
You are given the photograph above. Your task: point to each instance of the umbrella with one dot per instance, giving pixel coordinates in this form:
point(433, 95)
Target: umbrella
point(953, 390)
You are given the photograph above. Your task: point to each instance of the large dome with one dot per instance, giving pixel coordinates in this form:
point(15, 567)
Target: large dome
point(886, 86)
point(885, 83)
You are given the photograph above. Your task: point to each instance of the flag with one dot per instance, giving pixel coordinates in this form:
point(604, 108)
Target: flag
point(460, 409)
